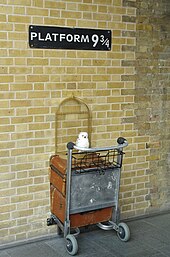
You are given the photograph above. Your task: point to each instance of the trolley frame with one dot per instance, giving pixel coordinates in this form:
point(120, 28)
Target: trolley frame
point(121, 228)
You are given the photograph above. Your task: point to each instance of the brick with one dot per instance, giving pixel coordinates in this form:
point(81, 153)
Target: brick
point(17, 52)
point(20, 103)
point(131, 26)
point(141, 153)
point(140, 192)
point(5, 8)
point(21, 151)
point(17, 2)
point(37, 188)
point(21, 198)
point(119, 41)
point(128, 174)
point(17, 36)
point(38, 203)
point(140, 179)
point(70, 14)
point(116, 99)
point(118, 10)
point(19, 70)
point(129, 33)
point(115, 70)
point(6, 27)
point(20, 27)
point(3, 18)
point(145, 27)
point(21, 213)
point(5, 193)
point(38, 94)
point(19, 19)
point(126, 207)
point(141, 205)
point(129, 160)
point(128, 48)
point(126, 188)
point(38, 78)
point(127, 18)
point(37, 11)
point(6, 145)
point(37, 61)
point(84, 70)
point(128, 201)
point(6, 79)
point(153, 157)
point(100, 16)
point(87, 7)
point(141, 139)
point(70, 62)
point(21, 87)
point(70, 78)
point(129, 3)
point(19, 10)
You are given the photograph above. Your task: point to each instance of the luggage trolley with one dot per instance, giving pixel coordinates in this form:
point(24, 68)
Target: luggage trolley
point(84, 190)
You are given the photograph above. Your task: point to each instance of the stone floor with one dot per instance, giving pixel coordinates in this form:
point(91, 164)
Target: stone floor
point(150, 237)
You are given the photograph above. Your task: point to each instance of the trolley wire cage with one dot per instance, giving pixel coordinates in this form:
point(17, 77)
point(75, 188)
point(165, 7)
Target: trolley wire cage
point(98, 161)
point(84, 190)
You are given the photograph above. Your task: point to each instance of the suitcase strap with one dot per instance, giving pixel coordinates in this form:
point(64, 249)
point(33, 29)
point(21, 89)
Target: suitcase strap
point(63, 191)
point(57, 171)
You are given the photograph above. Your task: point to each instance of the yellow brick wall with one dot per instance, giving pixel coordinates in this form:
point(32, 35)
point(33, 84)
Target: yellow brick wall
point(33, 82)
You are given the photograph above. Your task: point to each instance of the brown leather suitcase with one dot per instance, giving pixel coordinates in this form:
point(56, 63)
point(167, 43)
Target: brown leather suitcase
point(58, 198)
point(58, 173)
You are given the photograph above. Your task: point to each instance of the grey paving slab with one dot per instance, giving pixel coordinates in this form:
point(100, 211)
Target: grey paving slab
point(165, 249)
point(126, 249)
point(160, 255)
point(4, 254)
point(39, 249)
point(58, 245)
point(150, 237)
point(159, 221)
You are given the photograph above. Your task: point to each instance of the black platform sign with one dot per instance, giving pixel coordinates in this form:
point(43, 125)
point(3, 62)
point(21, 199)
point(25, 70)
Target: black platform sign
point(69, 38)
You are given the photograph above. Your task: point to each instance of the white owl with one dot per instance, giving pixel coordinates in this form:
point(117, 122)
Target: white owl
point(82, 140)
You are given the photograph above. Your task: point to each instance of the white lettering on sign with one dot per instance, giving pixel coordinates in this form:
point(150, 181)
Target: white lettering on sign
point(61, 37)
point(39, 37)
point(55, 36)
point(85, 38)
point(48, 37)
point(69, 38)
point(76, 38)
point(33, 35)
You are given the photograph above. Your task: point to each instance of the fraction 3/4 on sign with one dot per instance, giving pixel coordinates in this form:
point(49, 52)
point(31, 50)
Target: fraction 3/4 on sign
point(96, 39)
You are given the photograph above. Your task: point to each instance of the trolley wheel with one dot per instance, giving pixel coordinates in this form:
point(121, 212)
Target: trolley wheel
point(123, 232)
point(71, 244)
point(50, 222)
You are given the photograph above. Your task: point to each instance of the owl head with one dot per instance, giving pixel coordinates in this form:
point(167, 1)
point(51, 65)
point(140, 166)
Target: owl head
point(83, 135)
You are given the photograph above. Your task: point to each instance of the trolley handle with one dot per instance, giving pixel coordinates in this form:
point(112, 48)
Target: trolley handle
point(122, 142)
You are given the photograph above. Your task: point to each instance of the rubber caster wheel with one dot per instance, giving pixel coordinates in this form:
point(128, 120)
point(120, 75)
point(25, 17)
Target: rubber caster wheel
point(71, 245)
point(123, 232)
point(50, 222)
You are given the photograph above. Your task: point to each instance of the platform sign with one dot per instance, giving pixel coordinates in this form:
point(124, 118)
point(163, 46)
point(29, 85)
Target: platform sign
point(69, 38)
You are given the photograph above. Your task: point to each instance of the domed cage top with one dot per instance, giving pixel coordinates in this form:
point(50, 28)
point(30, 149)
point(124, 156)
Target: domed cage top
point(72, 117)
